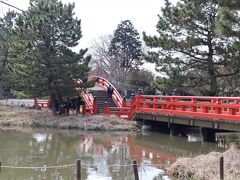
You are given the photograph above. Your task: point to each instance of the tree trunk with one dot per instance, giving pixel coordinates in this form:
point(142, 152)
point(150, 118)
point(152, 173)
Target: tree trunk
point(213, 83)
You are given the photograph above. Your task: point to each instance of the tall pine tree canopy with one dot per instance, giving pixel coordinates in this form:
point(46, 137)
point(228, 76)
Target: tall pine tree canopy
point(189, 47)
point(7, 42)
point(126, 46)
point(229, 26)
point(49, 29)
point(125, 52)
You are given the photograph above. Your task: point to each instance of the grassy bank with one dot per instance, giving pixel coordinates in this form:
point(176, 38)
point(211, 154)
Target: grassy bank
point(14, 116)
point(204, 167)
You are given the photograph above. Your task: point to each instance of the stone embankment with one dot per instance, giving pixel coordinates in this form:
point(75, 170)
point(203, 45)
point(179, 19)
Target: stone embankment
point(15, 116)
point(206, 166)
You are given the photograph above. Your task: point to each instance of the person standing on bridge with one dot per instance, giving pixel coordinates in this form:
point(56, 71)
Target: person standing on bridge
point(110, 91)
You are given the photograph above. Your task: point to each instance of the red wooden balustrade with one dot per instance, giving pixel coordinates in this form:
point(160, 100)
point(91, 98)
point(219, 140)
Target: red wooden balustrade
point(43, 103)
point(105, 84)
point(218, 108)
point(90, 104)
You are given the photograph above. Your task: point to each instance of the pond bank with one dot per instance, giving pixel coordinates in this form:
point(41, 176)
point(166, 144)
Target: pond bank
point(15, 116)
point(207, 166)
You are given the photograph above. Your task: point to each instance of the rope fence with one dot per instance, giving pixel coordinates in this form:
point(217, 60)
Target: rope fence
point(70, 165)
point(78, 165)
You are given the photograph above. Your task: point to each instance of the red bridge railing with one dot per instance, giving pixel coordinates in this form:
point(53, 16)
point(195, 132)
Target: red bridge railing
point(89, 100)
point(43, 103)
point(217, 108)
point(105, 84)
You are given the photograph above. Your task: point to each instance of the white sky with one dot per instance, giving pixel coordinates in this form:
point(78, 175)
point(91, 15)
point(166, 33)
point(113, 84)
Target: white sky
point(101, 17)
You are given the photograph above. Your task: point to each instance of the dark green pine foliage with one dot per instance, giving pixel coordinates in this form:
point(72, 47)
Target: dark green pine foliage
point(126, 46)
point(141, 79)
point(7, 40)
point(50, 31)
point(229, 26)
point(188, 49)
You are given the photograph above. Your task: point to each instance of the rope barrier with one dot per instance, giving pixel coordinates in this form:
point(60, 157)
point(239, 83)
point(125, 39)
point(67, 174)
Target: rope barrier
point(69, 165)
point(43, 167)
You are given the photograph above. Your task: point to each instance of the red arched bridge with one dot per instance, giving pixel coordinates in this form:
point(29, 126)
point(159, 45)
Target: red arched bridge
point(211, 112)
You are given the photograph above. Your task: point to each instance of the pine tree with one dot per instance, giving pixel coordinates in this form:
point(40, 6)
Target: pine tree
point(229, 26)
point(6, 51)
point(126, 50)
point(188, 42)
point(49, 30)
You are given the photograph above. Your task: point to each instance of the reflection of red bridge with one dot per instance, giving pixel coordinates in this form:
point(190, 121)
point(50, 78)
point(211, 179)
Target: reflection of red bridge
point(141, 153)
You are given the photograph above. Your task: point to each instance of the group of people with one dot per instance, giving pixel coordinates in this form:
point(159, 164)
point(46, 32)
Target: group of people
point(70, 104)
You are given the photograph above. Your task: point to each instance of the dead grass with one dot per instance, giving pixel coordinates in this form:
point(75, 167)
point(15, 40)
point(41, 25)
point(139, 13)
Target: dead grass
point(206, 167)
point(22, 117)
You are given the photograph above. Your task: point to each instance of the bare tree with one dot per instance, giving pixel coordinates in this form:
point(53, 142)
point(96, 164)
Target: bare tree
point(103, 63)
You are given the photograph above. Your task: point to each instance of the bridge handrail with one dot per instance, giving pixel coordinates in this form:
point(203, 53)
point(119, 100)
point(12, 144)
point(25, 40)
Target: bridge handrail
point(224, 108)
point(105, 84)
point(218, 108)
point(193, 97)
point(88, 98)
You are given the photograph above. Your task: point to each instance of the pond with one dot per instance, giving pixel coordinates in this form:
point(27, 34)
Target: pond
point(105, 156)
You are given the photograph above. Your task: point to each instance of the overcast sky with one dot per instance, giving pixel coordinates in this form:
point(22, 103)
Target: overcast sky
point(101, 17)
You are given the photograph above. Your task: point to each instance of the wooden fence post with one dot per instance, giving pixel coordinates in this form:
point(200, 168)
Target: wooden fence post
point(221, 169)
point(135, 170)
point(78, 169)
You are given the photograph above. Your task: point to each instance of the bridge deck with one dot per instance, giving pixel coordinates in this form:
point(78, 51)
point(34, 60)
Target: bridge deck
point(191, 121)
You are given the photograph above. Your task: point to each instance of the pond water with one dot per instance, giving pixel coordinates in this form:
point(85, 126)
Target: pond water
point(105, 156)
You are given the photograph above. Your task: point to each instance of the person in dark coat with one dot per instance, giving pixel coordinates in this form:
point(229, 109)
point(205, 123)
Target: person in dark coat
point(78, 104)
point(67, 105)
point(110, 91)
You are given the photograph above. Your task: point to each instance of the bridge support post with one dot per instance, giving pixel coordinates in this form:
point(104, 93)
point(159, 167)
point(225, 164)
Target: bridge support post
point(177, 130)
point(95, 105)
point(106, 109)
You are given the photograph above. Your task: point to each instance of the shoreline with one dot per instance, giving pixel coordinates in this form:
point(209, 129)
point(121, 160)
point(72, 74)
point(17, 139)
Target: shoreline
point(206, 166)
point(15, 116)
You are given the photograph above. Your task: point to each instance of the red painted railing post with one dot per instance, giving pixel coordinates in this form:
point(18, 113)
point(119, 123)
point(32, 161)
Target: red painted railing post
point(102, 82)
point(49, 103)
point(173, 100)
point(218, 110)
point(236, 102)
point(132, 100)
point(232, 111)
point(164, 106)
point(147, 105)
point(35, 102)
point(183, 108)
point(138, 102)
point(95, 105)
point(155, 101)
point(205, 109)
point(106, 109)
point(193, 107)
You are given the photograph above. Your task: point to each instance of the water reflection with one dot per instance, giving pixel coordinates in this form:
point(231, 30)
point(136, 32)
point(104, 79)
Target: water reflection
point(102, 154)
